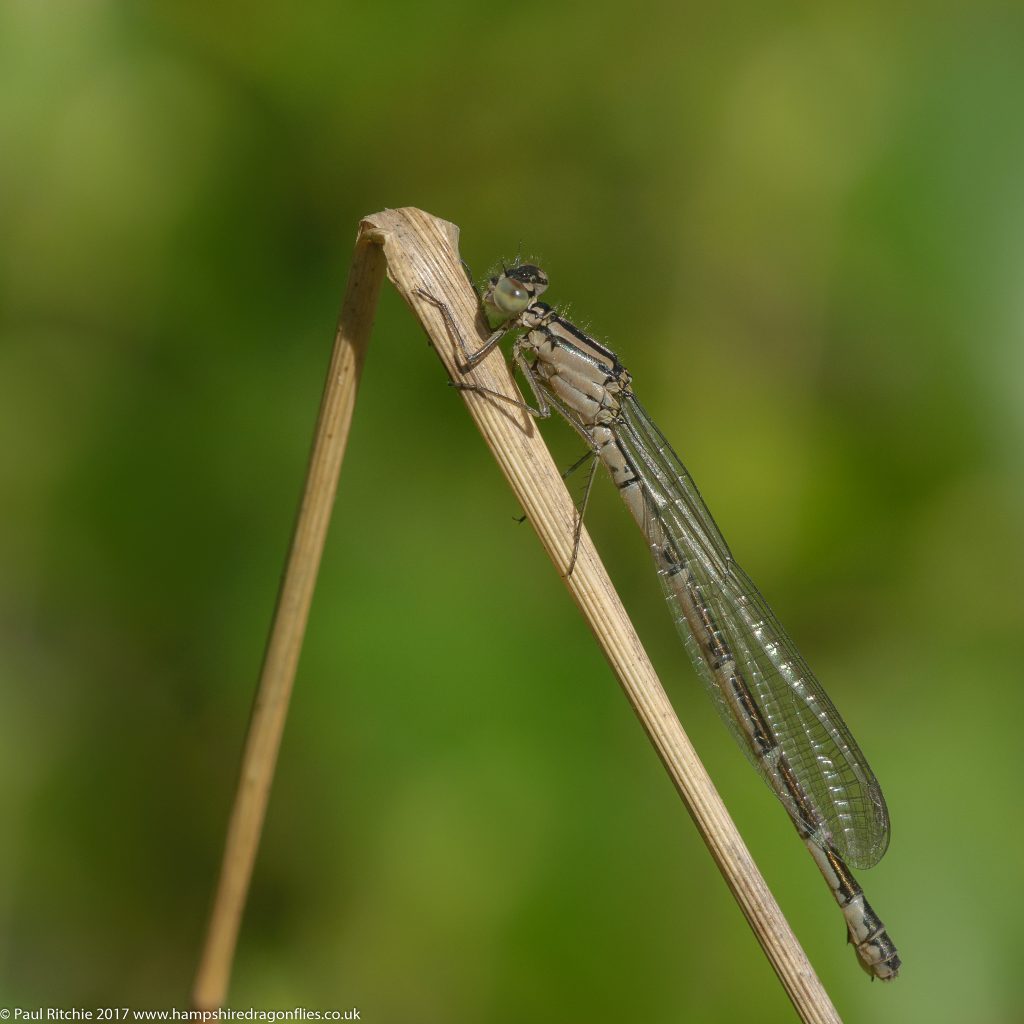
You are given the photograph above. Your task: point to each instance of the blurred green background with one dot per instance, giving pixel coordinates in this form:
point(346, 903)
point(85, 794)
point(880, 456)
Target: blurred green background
point(803, 229)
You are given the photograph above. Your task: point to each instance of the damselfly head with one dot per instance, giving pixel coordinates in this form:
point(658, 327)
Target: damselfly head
point(512, 291)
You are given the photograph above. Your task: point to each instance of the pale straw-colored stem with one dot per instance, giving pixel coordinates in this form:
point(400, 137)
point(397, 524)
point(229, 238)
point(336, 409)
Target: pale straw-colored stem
point(288, 627)
point(421, 253)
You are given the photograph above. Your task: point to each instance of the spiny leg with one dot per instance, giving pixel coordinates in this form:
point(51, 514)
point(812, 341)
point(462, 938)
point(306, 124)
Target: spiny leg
point(578, 532)
point(566, 473)
point(471, 357)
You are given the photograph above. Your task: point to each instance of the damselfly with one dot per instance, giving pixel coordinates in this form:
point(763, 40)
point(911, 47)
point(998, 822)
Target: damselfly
point(777, 710)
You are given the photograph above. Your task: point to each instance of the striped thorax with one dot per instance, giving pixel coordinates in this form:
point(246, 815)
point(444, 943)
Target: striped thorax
point(586, 378)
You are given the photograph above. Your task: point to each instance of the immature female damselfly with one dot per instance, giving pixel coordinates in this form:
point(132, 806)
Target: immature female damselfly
point(777, 710)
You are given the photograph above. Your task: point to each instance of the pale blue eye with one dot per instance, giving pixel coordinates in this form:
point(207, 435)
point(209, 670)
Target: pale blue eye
point(510, 296)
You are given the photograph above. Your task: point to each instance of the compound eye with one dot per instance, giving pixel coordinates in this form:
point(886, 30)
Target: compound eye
point(510, 296)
